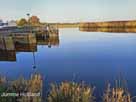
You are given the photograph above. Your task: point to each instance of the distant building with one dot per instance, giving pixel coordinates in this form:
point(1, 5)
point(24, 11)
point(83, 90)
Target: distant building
point(1, 23)
point(7, 24)
point(11, 23)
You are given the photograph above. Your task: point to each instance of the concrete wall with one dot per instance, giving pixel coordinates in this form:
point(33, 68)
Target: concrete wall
point(6, 43)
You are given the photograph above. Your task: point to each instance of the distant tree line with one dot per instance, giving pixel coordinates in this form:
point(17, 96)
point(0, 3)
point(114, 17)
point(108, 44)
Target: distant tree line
point(32, 21)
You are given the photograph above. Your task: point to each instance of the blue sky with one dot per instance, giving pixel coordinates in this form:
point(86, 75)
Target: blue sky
point(69, 10)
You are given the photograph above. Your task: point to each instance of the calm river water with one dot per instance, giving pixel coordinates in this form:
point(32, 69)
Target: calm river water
point(94, 57)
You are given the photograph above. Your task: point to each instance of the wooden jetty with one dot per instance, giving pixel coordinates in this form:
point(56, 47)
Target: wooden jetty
point(44, 29)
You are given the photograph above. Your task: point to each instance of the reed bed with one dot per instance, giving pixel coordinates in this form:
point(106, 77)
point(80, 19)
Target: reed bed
point(116, 94)
point(66, 91)
point(71, 92)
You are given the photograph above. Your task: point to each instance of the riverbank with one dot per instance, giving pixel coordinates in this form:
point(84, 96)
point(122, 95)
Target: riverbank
point(65, 25)
point(68, 91)
point(103, 24)
point(109, 26)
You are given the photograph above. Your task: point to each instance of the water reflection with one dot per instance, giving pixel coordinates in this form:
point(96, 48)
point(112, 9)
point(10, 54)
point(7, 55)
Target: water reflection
point(113, 26)
point(10, 45)
point(22, 90)
point(85, 62)
point(113, 30)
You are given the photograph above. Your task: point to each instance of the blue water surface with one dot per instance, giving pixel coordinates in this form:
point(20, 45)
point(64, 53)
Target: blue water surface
point(93, 57)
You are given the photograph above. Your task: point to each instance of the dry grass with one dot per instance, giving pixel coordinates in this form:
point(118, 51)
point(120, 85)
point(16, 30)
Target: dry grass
point(117, 94)
point(71, 92)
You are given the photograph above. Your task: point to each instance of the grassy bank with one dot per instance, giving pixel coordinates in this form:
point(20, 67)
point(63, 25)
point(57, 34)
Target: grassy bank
point(65, 25)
